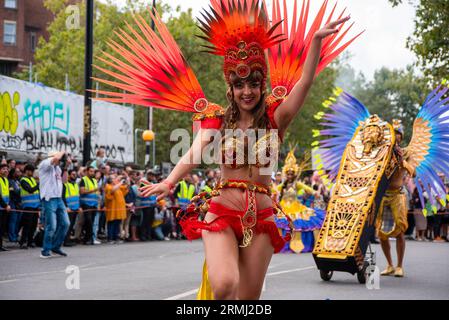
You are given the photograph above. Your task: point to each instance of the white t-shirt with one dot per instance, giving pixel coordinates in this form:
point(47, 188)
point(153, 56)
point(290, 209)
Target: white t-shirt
point(50, 180)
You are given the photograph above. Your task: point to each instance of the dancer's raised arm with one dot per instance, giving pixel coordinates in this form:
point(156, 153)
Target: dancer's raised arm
point(291, 106)
point(187, 163)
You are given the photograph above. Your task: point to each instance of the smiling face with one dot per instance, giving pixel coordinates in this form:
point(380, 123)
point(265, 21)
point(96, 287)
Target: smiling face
point(247, 92)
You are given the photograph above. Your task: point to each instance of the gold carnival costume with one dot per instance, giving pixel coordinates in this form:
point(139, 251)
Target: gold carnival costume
point(392, 215)
point(306, 221)
point(360, 154)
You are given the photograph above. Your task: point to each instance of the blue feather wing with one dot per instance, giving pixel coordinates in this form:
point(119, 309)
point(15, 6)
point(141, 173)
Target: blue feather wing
point(341, 121)
point(429, 148)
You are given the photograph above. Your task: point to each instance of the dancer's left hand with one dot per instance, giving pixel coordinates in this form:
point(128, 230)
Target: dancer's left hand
point(330, 29)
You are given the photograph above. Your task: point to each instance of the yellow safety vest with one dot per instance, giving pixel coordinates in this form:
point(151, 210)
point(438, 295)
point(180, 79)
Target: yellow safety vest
point(4, 185)
point(90, 199)
point(30, 200)
point(72, 196)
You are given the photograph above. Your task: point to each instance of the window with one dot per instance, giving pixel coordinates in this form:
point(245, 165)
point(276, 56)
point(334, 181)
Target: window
point(9, 33)
point(33, 41)
point(11, 4)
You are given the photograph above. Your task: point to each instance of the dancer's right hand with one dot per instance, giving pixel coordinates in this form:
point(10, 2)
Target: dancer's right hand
point(148, 189)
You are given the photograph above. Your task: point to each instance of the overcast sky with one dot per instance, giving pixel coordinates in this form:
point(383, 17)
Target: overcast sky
point(382, 44)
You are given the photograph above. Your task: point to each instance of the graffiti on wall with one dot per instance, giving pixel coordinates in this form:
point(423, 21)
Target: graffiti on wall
point(55, 117)
point(9, 117)
point(37, 119)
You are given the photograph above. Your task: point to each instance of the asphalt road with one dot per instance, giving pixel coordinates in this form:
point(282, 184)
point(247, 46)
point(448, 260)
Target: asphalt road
point(172, 270)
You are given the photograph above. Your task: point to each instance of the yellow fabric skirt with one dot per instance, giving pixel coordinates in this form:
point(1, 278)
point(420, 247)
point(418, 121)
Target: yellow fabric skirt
point(296, 210)
point(205, 291)
point(392, 216)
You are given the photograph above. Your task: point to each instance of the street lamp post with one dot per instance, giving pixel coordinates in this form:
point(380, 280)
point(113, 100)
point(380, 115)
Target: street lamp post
point(88, 80)
point(148, 137)
point(150, 111)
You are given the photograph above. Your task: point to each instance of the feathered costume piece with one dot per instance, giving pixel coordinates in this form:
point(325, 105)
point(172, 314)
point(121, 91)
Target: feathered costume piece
point(154, 71)
point(287, 59)
point(340, 125)
point(429, 147)
point(427, 153)
point(239, 31)
point(149, 69)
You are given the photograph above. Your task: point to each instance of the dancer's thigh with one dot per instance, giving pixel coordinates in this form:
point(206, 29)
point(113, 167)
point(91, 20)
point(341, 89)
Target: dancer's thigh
point(254, 262)
point(221, 249)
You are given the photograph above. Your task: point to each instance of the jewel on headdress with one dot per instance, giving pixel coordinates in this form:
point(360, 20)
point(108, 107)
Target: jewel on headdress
point(201, 105)
point(280, 92)
point(243, 71)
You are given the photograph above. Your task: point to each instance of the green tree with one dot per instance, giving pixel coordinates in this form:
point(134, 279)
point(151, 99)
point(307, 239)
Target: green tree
point(430, 40)
point(300, 131)
point(64, 53)
point(208, 69)
point(395, 94)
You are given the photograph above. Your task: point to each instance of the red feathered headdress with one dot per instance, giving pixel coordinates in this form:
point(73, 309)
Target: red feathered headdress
point(239, 30)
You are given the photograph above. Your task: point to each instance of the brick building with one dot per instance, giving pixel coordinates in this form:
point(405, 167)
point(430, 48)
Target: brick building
point(22, 23)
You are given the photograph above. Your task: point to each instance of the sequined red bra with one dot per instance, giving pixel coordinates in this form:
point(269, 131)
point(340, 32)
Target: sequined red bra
point(239, 151)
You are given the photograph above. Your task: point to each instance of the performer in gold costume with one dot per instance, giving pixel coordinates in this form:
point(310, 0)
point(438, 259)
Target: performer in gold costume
point(392, 216)
point(373, 179)
point(306, 220)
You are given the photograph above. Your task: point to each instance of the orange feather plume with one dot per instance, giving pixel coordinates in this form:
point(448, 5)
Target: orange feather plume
point(287, 59)
point(151, 69)
point(240, 31)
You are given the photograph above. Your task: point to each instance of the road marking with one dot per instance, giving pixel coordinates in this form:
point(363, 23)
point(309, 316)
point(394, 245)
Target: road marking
point(8, 281)
point(194, 291)
point(289, 271)
point(28, 275)
point(183, 295)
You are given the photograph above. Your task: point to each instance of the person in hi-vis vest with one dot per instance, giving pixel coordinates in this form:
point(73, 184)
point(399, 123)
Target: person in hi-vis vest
point(71, 197)
point(209, 187)
point(31, 205)
point(185, 191)
point(89, 196)
point(4, 199)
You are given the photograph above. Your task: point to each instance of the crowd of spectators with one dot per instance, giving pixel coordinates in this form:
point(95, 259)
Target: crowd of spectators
point(104, 205)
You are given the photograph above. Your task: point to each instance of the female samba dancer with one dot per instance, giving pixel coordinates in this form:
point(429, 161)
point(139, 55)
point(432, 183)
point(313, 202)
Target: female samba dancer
point(238, 230)
point(228, 264)
point(306, 221)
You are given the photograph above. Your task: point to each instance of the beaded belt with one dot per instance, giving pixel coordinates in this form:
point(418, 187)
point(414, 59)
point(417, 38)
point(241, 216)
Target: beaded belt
point(244, 185)
point(249, 219)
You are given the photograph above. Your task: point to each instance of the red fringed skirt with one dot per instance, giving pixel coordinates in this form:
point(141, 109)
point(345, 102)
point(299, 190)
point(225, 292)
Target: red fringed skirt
point(226, 217)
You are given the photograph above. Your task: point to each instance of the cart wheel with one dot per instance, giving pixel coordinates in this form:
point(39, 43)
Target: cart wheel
point(326, 275)
point(361, 274)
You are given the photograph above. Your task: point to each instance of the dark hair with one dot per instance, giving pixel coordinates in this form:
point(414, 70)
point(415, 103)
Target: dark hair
point(91, 167)
point(232, 113)
point(3, 165)
point(72, 170)
point(29, 167)
point(11, 173)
